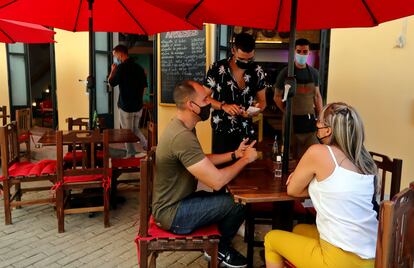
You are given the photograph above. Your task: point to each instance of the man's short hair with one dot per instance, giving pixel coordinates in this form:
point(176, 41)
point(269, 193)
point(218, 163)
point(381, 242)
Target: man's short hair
point(302, 42)
point(183, 91)
point(121, 48)
point(245, 42)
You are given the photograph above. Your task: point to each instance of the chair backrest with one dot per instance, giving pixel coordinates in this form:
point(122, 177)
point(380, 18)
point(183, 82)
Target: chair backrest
point(395, 244)
point(23, 120)
point(3, 115)
point(147, 171)
point(10, 149)
point(80, 123)
point(386, 165)
point(152, 135)
point(86, 141)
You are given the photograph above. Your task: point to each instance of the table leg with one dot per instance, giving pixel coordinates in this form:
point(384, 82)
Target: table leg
point(249, 236)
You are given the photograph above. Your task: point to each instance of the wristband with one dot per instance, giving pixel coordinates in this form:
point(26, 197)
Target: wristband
point(233, 156)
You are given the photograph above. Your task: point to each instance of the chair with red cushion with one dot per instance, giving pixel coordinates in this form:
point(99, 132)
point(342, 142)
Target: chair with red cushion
point(152, 240)
point(24, 124)
point(18, 173)
point(86, 176)
point(130, 165)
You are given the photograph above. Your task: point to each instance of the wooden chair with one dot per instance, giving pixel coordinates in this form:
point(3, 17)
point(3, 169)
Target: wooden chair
point(130, 165)
point(395, 243)
point(151, 239)
point(17, 173)
point(385, 166)
point(24, 124)
point(86, 176)
point(3, 115)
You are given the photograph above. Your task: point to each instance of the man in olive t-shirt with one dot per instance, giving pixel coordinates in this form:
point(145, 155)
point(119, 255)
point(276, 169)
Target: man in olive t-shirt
point(180, 162)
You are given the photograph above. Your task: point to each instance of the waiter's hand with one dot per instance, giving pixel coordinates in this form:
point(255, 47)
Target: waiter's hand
point(250, 153)
point(232, 109)
point(113, 66)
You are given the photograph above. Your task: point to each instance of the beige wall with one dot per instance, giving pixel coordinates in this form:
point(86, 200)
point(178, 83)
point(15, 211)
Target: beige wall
point(72, 64)
point(4, 86)
point(165, 113)
point(369, 73)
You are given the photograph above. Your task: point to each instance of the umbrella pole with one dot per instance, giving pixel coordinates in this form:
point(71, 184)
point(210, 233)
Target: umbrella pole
point(288, 107)
point(91, 77)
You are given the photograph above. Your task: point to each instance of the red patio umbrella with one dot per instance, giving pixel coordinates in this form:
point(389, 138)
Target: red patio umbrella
point(289, 15)
point(276, 14)
point(129, 16)
point(16, 31)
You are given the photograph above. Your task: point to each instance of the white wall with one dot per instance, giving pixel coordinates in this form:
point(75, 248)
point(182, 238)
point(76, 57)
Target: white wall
point(369, 73)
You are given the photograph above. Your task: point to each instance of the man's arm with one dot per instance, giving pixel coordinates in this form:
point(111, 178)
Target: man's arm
point(318, 101)
point(218, 159)
point(208, 174)
point(112, 78)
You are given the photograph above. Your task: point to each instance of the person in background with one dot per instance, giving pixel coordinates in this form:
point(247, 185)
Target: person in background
point(132, 82)
point(307, 102)
point(181, 163)
point(234, 85)
point(339, 175)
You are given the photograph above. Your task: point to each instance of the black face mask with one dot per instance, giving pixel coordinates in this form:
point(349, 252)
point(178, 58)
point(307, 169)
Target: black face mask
point(204, 113)
point(244, 65)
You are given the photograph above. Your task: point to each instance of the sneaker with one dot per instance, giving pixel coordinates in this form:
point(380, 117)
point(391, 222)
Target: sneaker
point(229, 257)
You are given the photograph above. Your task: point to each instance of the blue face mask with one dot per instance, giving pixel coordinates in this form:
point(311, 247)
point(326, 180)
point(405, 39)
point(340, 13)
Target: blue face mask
point(117, 61)
point(301, 59)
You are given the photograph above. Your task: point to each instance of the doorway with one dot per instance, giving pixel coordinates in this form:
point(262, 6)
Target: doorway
point(41, 85)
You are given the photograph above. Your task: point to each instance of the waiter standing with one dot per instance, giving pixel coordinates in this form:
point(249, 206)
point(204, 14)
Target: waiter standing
point(307, 102)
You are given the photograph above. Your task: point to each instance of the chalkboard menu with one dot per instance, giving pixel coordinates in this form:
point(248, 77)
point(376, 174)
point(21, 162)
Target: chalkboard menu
point(183, 56)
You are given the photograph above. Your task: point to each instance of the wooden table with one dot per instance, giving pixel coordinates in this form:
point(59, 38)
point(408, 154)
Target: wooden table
point(256, 184)
point(115, 136)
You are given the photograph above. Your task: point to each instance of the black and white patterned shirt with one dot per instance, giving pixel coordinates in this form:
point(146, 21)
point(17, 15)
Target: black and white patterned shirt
point(224, 87)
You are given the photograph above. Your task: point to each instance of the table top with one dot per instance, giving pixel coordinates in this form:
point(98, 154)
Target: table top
point(256, 184)
point(115, 136)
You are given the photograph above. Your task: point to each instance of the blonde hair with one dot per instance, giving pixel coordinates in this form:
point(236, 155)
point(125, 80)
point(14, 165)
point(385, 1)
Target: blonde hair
point(348, 134)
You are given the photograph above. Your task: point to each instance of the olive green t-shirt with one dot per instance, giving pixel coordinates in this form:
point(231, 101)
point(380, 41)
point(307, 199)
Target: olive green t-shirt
point(177, 149)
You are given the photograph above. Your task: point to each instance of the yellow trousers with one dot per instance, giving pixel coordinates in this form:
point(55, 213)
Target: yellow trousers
point(304, 248)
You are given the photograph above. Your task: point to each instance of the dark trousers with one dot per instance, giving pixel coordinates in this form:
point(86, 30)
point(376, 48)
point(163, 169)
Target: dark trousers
point(205, 208)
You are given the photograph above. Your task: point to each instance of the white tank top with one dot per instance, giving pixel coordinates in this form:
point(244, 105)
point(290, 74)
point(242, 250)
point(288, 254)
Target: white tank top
point(345, 215)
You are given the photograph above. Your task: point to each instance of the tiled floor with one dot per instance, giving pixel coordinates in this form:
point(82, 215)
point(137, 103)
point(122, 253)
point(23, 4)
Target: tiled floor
point(33, 241)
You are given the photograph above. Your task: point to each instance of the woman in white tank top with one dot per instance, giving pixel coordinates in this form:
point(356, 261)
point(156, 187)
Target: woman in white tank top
point(339, 176)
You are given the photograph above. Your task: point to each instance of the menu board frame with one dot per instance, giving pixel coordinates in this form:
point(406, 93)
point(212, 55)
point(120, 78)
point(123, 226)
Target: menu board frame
point(161, 99)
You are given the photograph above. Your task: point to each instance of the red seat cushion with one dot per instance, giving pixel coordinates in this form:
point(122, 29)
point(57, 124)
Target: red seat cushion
point(99, 154)
point(68, 157)
point(157, 232)
point(83, 178)
point(26, 168)
point(24, 136)
point(126, 162)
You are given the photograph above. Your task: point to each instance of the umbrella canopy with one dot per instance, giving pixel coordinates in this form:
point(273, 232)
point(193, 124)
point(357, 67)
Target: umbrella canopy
point(289, 15)
point(276, 14)
point(128, 16)
point(16, 31)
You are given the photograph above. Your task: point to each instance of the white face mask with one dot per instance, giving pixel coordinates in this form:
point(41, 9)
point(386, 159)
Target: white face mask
point(301, 59)
point(117, 61)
